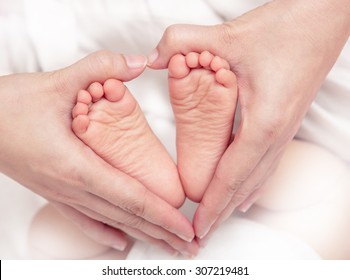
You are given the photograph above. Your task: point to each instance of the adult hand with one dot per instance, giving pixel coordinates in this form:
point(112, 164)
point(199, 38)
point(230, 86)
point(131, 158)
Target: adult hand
point(39, 150)
point(281, 52)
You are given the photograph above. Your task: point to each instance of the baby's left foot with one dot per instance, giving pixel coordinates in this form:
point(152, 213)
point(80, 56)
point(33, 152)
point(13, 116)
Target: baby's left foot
point(203, 94)
point(108, 119)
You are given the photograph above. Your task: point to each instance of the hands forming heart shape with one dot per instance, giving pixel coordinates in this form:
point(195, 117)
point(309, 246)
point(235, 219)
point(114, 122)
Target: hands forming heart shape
point(203, 94)
point(273, 94)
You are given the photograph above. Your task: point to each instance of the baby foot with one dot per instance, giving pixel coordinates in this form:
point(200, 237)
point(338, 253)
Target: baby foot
point(108, 119)
point(203, 93)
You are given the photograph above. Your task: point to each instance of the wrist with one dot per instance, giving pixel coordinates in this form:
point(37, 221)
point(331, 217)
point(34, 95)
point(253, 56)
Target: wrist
point(332, 13)
point(316, 20)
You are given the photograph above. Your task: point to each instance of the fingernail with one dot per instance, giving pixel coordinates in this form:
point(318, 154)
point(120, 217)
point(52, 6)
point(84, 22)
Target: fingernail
point(119, 247)
point(152, 57)
point(245, 207)
point(203, 243)
point(188, 239)
point(135, 61)
point(188, 254)
point(204, 234)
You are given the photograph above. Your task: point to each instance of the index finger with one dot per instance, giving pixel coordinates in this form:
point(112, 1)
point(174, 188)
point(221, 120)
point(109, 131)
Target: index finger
point(185, 38)
point(130, 195)
point(236, 165)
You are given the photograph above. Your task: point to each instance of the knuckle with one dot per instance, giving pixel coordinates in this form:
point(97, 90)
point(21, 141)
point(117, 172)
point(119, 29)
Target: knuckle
point(269, 130)
point(234, 185)
point(59, 81)
point(227, 34)
point(240, 196)
point(136, 207)
point(54, 195)
point(243, 193)
point(268, 126)
point(135, 222)
point(237, 199)
point(171, 240)
point(114, 224)
point(171, 34)
point(102, 61)
point(64, 197)
point(231, 183)
point(275, 130)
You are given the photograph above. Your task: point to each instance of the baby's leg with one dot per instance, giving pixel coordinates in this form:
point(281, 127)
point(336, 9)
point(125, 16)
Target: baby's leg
point(108, 119)
point(308, 196)
point(52, 236)
point(203, 94)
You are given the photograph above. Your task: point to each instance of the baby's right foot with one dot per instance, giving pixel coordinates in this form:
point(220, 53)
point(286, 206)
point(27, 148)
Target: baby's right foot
point(203, 94)
point(108, 119)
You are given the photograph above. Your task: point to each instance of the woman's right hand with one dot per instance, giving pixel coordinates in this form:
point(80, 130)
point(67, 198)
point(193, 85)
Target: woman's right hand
point(39, 150)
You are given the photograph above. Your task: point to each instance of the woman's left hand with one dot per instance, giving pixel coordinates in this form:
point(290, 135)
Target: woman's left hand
point(281, 53)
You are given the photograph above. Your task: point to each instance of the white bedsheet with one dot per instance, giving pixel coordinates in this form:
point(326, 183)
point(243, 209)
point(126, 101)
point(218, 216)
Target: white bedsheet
point(237, 238)
point(33, 40)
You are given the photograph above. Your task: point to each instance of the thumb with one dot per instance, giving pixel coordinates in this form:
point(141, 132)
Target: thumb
point(185, 38)
point(99, 67)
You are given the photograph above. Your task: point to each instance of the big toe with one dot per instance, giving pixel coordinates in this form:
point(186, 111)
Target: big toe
point(114, 90)
point(177, 67)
